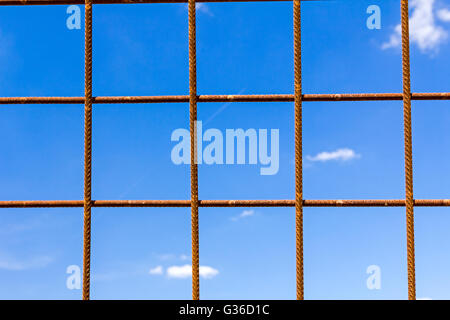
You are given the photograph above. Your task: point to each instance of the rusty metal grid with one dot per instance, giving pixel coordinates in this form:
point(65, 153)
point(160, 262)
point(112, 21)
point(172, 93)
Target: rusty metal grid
point(194, 203)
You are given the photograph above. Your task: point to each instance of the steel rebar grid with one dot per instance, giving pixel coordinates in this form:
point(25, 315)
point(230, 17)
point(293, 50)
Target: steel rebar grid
point(193, 135)
point(194, 203)
point(87, 151)
point(408, 151)
point(298, 148)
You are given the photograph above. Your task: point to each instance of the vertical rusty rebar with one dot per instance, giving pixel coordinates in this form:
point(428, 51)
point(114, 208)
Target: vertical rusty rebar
point(298, 149)
point(87, 150)
point(408, 151)
point(194, 168)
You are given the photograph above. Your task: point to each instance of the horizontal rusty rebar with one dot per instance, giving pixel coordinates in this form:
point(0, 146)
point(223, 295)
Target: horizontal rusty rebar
point(225, 203)
point(228, 98)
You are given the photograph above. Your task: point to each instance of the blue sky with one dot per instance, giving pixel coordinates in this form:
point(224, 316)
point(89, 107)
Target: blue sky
point(244, 48)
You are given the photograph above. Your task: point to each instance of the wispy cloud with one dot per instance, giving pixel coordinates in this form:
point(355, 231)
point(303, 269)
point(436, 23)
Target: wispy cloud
point(244, 214)
point(444, 15)
point(343, 154)
point(208, 272)
point(203, 8)
point(185, 271)
point(171, 256)
point(156, 270)
point(13, 264)
point(424, 31)
point(184, 257)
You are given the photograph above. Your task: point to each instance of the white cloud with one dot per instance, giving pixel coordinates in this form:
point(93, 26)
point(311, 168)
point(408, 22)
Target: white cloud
point(172, 256)
point(12, 264)
point(424, 31)
point(424, 298)
point(156, 270)
point(208, 272)
point(244, 214)
point(394, 39)
point(179, 271)
point(344, 154)
point(444, 15)
point(201, 7)
point(185, 271)
point(247, 213)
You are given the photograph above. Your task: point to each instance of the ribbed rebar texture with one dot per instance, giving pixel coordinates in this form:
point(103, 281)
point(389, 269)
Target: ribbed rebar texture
point(87, 151)
point(298, 148)
point(194, 168)
point(408, 151)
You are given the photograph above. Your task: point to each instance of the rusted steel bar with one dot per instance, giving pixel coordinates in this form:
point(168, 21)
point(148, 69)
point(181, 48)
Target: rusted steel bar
point(87, 203)
point(42, 204)
point(247, 98)
point(193, 136)
point(228, 98)
point(298, 149)
point(223, 203)
point(142, 203)
point(406, 72)
point(41, 100)
point(430, 96)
